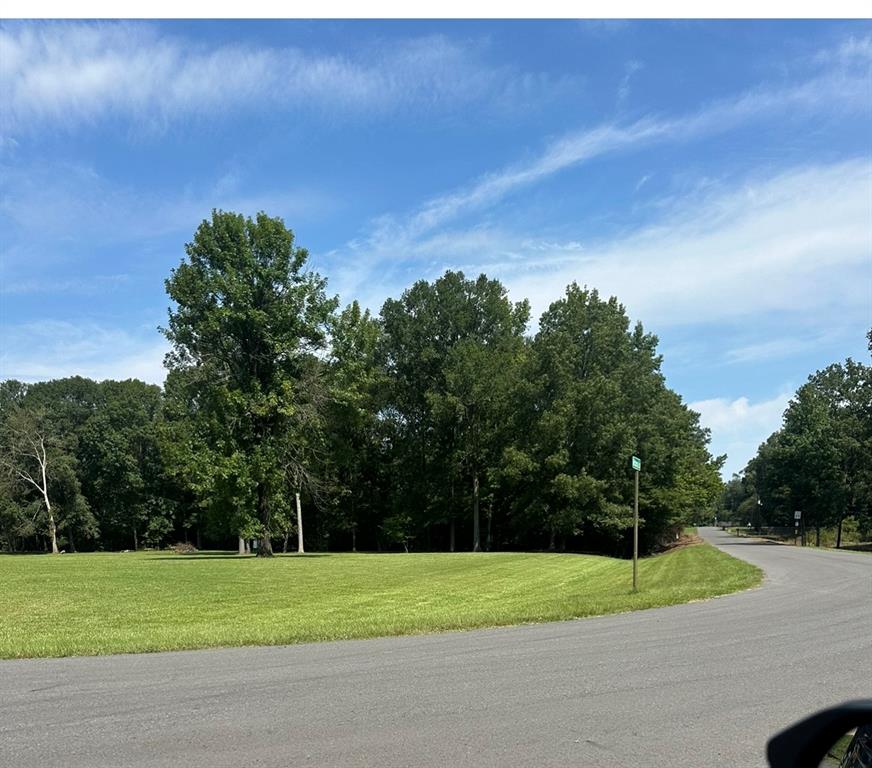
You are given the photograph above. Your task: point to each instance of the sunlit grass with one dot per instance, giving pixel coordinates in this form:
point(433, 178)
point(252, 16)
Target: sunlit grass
point(114, 603)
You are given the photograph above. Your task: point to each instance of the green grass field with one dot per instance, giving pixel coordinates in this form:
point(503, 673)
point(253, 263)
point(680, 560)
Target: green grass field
point(115, 603)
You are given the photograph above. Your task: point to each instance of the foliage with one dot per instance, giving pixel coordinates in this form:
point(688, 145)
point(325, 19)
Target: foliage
point(599, 398)
point(439, 424)
point(818, 462)
point(42, 493)
point(452, 351)
point(247, 321)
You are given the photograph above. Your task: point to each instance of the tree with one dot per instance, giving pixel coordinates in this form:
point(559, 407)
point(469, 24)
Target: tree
point(448, 345)
point(32, 456)
point(203, 478)
point(358, 394)
point(304, 457)
point(597, 398)
point(247, 320)
point(818, 461)
point(120, 457)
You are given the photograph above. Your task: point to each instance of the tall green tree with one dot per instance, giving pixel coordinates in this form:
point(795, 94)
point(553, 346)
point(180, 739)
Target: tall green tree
point(597, 398)
point(358, 396)
point(121, 460)
point(247, 319)
point(817, 462)
point(449, 345)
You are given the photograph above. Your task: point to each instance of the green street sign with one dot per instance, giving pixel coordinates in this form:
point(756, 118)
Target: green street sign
point(637, 463)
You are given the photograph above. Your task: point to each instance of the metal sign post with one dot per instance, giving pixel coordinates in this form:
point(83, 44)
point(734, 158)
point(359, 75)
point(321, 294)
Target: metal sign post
point(637, 467)
point(797, 516)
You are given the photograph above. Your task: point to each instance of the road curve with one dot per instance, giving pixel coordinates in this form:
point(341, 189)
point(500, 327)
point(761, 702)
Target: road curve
point(698, 684)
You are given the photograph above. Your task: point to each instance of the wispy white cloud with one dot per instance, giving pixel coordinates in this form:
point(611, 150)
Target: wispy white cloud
point(795, 243)
point(630, 69)
point(739, 426)
point(73, 202)
point(785, 346)
point(733, 417)
point(51, 349)
point(642, 181)
point(841, 88)
point(91, 286)
point(69, 74)
point(853, 50)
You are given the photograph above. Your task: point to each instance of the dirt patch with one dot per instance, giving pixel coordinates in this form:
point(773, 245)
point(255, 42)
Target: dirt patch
point(684, 540)
point(184, 549)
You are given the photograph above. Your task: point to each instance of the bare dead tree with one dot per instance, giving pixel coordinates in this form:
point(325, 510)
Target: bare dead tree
point(27, 460)
point(301, 477)
point(305, 450)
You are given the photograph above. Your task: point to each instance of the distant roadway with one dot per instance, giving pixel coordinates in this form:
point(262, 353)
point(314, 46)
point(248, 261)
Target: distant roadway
point(702, 684)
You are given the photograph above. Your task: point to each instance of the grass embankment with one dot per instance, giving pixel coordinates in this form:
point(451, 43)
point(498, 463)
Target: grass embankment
point(114, 603)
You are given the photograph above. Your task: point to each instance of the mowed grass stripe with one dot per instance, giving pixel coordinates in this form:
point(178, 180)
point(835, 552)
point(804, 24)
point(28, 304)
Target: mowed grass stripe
point(91, 604)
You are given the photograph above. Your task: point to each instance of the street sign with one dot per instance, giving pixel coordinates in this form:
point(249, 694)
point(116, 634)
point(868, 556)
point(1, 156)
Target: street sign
point(637, 466)
point(797, 515)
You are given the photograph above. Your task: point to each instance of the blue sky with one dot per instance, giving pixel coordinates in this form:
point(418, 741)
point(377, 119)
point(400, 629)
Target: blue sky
point(715, 176)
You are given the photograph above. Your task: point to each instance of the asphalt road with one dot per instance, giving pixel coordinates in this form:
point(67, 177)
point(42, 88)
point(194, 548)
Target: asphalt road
point(691, 685)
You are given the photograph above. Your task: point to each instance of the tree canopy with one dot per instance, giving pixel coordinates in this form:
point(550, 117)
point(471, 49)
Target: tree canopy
point(439, 423)
point(817, 463)
point(247, 322)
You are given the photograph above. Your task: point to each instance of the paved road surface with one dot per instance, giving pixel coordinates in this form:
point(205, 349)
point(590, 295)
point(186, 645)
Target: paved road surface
point(691, 685)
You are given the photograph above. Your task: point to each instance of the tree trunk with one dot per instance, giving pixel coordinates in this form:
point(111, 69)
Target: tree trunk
point(52, 528)
point(53, 532)
point(490, 517)
point(839, 535)
point(72, 543)
point(135, 539)
point(817, 535)
point(285, 542)
point(265, 549)
point(300, 549)
point(242, 545)
point(199, 544)
point(451, 535)
point(476, 534)
point(354, 538)
point(551, 540)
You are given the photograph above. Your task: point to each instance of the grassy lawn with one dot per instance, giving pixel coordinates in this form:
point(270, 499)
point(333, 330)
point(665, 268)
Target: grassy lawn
point(113, 603)
point(837, 751)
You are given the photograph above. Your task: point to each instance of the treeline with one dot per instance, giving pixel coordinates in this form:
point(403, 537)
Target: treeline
point(86, 459)
point(440, 424)
point(818, 463)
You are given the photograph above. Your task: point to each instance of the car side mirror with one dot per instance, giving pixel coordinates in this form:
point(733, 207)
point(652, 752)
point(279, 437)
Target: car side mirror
point(840, 736)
